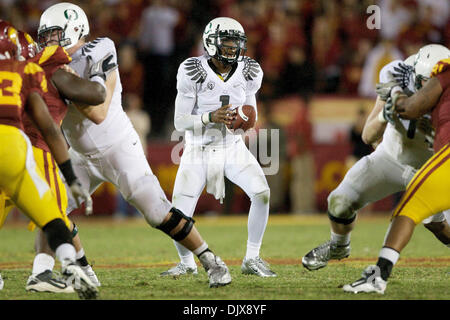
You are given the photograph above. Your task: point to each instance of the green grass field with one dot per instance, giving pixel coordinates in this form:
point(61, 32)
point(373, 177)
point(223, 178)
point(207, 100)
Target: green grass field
point(128, 257)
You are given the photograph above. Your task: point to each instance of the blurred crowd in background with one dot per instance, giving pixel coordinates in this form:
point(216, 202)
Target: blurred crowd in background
point(305, 47)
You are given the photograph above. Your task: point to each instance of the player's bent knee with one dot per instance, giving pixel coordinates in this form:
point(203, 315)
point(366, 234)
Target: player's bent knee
point(340, 209)
point(170, 226)
point(57, 233)
point(263, 196)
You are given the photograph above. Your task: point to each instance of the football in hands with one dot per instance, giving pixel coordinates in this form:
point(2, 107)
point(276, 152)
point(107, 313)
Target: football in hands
point(245, 118)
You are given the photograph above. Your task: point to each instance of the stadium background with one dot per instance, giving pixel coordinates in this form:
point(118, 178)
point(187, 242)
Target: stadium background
point(320, 63)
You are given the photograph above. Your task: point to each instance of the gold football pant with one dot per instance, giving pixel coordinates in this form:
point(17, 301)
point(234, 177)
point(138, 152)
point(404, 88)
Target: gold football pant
point(427, 192)
point(21, 180)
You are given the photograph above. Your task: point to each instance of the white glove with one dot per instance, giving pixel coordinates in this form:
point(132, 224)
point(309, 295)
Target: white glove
point(383, 90)
point(81, 195)
point(101, 68)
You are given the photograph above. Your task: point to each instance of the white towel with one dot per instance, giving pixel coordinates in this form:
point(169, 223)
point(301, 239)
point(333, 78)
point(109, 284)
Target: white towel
point(215, 181)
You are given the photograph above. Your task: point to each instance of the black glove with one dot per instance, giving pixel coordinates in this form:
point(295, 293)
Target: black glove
point(103, 67)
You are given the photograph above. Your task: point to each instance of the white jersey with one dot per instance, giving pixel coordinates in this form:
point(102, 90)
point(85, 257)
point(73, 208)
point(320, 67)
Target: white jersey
point(196, 79)
point(83, 135)
point(413, 152)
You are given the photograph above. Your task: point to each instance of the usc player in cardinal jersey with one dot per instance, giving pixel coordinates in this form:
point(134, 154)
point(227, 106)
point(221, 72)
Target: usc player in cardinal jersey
point(22, 87)
point(62, 84)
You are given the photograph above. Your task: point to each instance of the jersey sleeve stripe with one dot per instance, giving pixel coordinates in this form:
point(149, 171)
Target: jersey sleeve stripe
point(48, 52)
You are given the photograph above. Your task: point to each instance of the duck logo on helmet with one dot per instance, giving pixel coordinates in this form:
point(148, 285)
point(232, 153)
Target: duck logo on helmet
point(70, 14)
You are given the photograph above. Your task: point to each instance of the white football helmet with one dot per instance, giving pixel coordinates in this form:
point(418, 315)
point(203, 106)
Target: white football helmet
point(66, 17)
point(426, 59)
point(225, 29)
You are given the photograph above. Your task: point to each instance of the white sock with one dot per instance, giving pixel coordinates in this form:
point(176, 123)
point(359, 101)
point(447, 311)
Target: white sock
point(186, 256)
point(188, 261)
point(389, 254)
point(340, 239)
point(80, 254)
point(200, 249)
point(66, 253)
point(252, 250)
point(42, 262)
point(258, 216)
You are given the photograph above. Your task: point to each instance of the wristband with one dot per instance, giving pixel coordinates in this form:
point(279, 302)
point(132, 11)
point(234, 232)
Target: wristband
point(67, 171)
point(381, 117)
point(206, 118)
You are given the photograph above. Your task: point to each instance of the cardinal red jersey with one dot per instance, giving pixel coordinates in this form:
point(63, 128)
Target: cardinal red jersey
point(17, 80)
point(50, 59)
point(441, 112)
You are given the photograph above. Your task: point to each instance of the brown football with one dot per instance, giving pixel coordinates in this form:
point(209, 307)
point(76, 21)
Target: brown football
point(245, 118)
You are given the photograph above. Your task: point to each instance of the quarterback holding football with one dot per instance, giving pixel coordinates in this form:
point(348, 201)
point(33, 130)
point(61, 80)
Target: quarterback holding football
point(214, 94)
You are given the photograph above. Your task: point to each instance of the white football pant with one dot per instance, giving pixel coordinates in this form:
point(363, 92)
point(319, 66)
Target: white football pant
point(124, 165)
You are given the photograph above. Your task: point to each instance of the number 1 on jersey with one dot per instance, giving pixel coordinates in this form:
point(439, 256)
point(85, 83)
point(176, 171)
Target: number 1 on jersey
point(225, 100)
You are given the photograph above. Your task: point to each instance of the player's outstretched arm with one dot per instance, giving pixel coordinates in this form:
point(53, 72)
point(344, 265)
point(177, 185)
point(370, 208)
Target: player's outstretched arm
point(38, 111)
point(77, 89)
point(98, 113)
point(419, 103)
point(374, 127)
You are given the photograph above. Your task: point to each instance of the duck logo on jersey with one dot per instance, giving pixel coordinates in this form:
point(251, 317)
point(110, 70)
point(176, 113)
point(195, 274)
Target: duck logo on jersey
point(70, 14)
point(251, 68)
point(211, 85)
point(195, 70)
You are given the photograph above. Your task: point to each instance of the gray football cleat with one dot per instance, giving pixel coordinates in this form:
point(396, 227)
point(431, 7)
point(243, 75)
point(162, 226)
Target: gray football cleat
point(370, 282)
point(318, 257)
point(45, 282)
point(179, 270)
point(91, 274)
point(217, 270)
point(81, 283)
point(257, 266)
point(1, 282)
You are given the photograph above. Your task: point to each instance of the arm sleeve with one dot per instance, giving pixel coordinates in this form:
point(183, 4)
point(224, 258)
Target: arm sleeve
point(184, 119)
point(251, 100)
point(35, 79)
point(185, 102)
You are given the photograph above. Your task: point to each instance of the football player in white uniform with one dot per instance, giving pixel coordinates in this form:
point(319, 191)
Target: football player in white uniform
point(108, 148)
point(406, 145)
point(209, 88)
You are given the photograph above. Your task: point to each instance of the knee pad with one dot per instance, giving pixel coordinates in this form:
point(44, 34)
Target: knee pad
point(340, 209)
point(57, 233)
point(173, 222)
